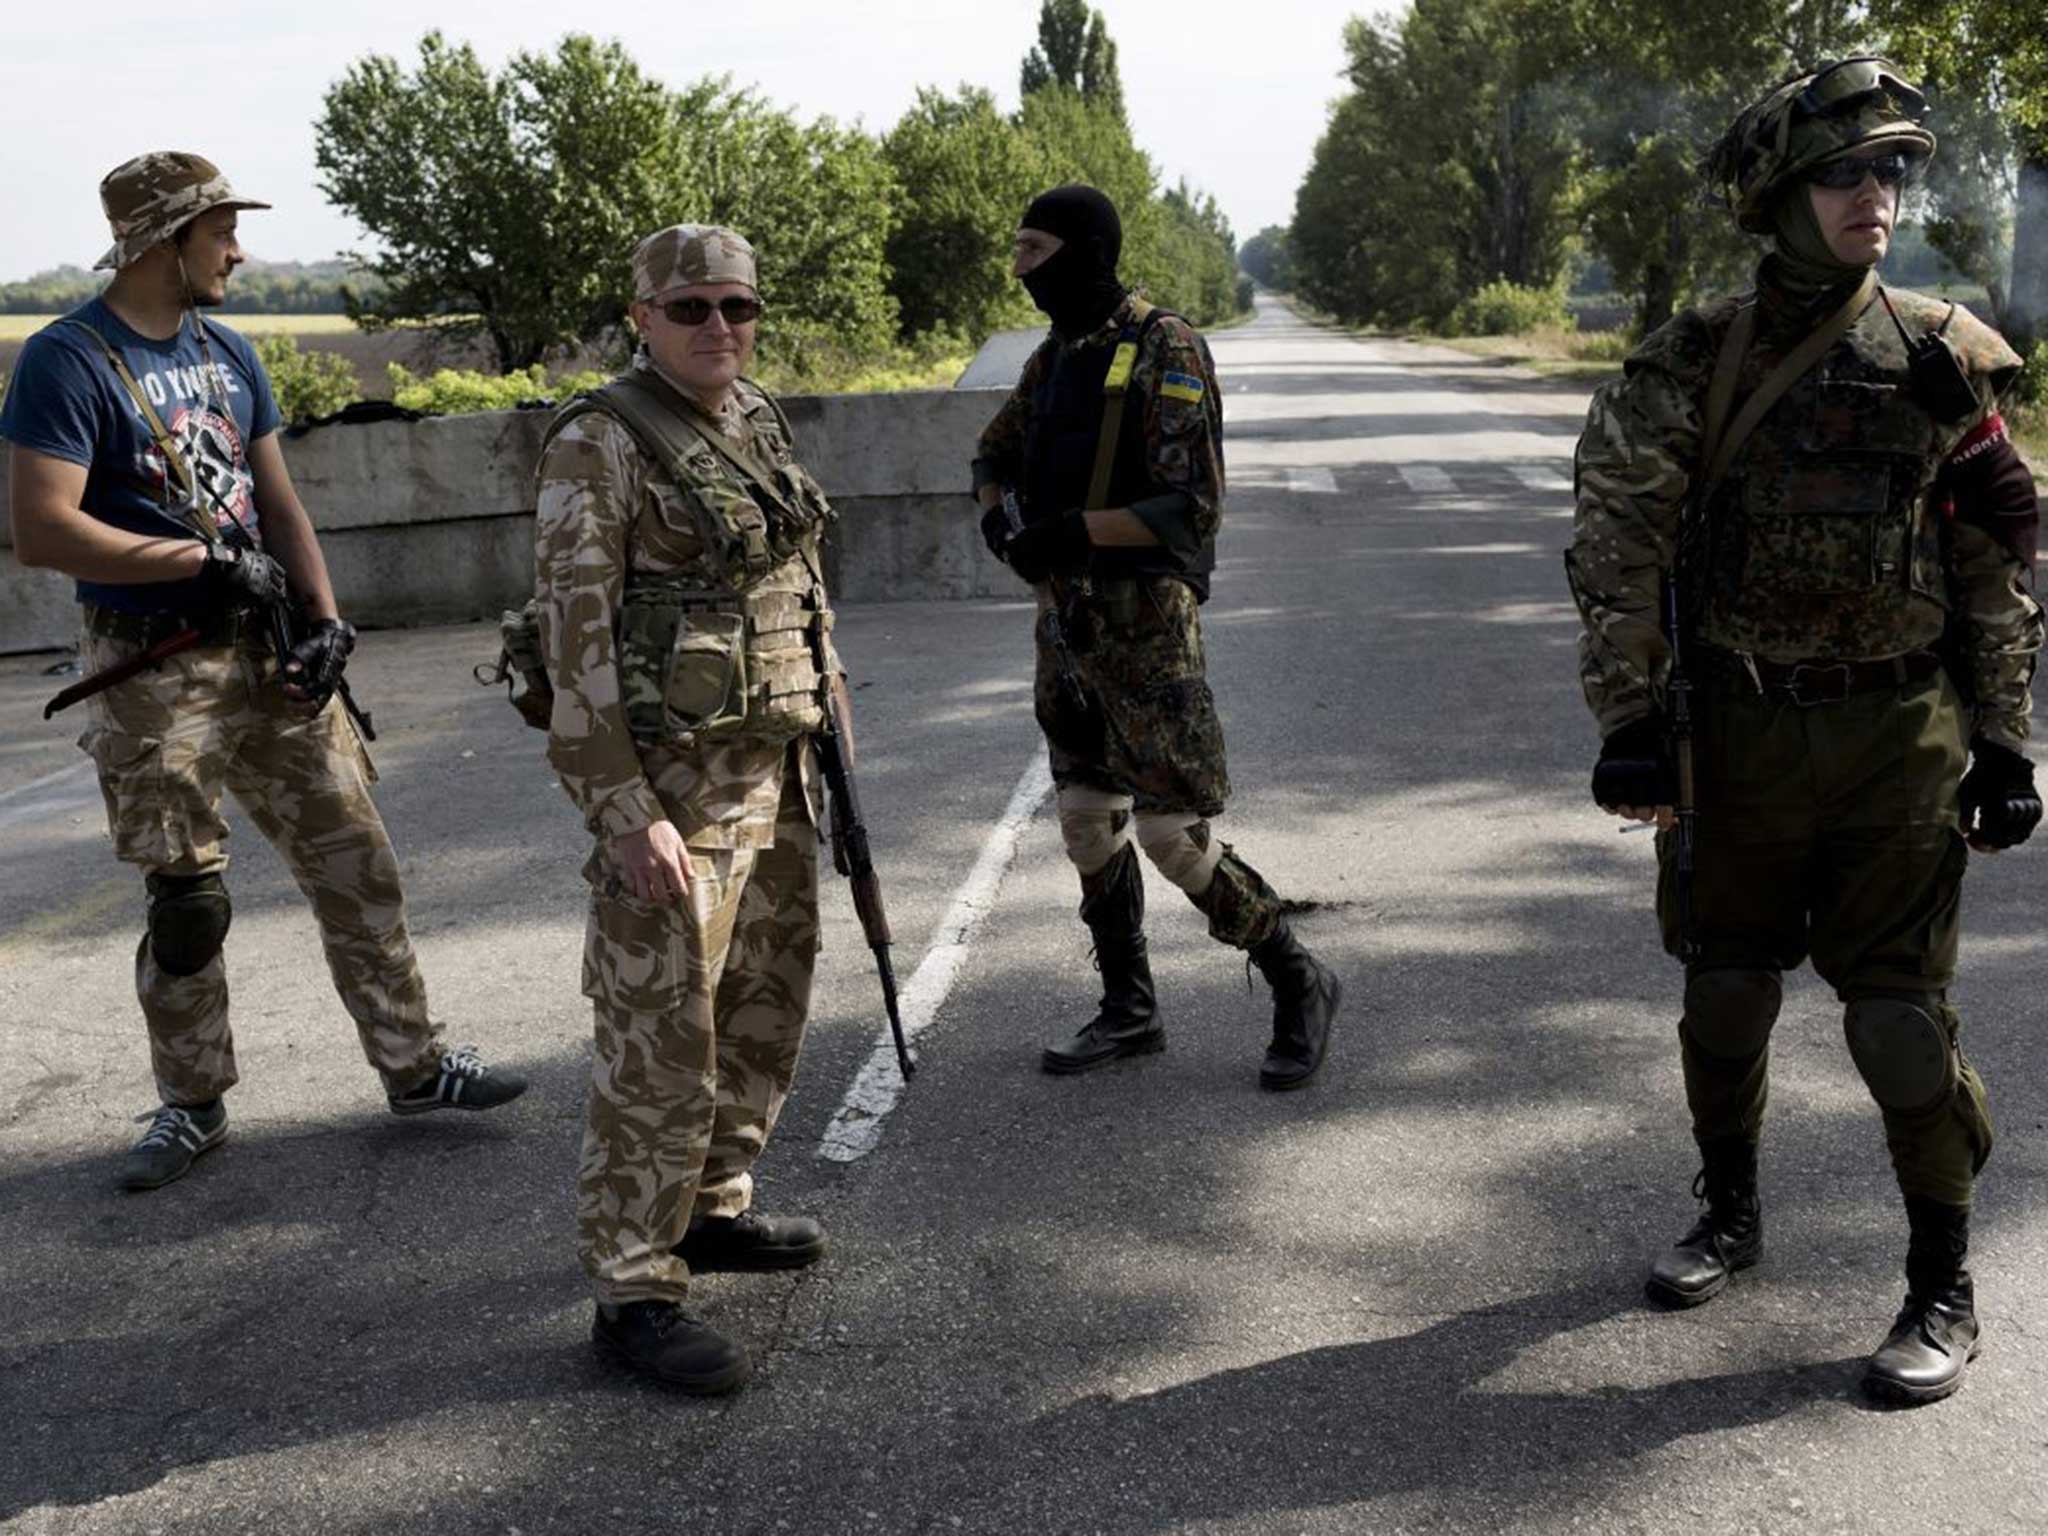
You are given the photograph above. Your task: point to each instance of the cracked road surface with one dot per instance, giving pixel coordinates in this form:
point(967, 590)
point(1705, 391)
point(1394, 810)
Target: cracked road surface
point(1152, 1299)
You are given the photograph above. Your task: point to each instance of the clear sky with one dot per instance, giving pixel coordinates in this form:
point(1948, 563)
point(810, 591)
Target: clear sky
point(1234, 105)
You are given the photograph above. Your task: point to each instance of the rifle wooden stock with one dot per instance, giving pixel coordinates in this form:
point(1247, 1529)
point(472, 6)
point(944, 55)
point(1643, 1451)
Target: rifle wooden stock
point(121, 671)
point(853, 858)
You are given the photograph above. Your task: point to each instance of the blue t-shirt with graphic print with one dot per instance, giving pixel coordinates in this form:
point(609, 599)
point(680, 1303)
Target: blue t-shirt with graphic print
point(214, 399)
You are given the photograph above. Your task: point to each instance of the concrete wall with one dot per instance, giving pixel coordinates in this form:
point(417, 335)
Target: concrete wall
point(431, 522)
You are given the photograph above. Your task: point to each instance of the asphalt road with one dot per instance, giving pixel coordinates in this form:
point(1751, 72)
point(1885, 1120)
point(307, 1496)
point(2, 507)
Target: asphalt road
point(1153, 1299)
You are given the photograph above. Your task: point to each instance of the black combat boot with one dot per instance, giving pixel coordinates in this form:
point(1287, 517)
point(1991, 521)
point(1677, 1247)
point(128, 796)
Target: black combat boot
point(750, 1241)
point(1935, 1336)
point(660, 1339)
point(1305, 997)
point(1728, 1236)
point(1127, 1023)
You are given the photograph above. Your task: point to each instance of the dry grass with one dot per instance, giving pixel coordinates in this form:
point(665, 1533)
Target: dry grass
point(1591, 355)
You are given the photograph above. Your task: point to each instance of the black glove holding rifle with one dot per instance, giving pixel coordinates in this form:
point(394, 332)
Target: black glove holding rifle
point(2000, 805)
point(1036, 552)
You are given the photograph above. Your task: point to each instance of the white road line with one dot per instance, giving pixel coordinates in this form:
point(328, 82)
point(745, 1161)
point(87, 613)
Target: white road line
point(1321, 481)
point(1540, 477)
point(1425, 479)
point(856, 1127)
point(68, 789)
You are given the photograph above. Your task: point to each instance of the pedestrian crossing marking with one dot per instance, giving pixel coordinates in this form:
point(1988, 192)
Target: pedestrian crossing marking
point(1321, 481)
point(1539, 477)
point(1425, 479)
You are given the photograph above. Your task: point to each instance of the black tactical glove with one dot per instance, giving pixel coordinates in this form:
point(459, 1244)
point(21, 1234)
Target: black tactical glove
point(995, 532)
point(1635, 767)
point(242, 578)
point(2000, 805)
point(314, 670)
point(1052, 545)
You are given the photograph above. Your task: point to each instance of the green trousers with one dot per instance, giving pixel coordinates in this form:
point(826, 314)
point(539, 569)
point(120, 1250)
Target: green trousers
point(1830, 831)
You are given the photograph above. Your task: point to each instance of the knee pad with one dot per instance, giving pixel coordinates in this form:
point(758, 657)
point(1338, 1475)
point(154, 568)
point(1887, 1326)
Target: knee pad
point(1729, 1012)
point(188, 921)
point(1180, 848)
point(1094, 825)
point(1903, 1050)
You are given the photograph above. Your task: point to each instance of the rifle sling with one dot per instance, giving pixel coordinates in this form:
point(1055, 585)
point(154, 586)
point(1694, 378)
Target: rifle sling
point(1115, 389)
point(167, 445)
point(1719, 454)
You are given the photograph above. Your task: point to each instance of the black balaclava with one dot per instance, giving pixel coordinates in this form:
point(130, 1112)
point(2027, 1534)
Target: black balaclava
point(1076, 286)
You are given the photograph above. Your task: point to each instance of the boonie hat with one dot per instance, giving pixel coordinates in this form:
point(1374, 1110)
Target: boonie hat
point(150, 198)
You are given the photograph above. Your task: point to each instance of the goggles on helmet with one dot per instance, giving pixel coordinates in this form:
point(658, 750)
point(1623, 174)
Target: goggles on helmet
point(1845, 85)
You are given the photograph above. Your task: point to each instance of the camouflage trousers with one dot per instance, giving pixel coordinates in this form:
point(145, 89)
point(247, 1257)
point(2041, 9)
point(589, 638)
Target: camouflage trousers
point(167, 743)
point(1139, 757)
point(700, 1007)
point(1830, 832)
point(1147, 727)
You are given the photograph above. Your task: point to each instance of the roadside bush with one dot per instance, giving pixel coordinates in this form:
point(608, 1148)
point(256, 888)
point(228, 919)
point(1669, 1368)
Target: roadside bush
point(1601, 346)
point(2031, 387)
point(308, 385)
point(1508, 309)
point(457, 391)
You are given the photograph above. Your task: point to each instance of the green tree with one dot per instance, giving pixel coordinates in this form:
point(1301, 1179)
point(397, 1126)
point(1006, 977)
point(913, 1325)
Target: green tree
point(1265, 258)
point(1101, 82)
point(508, 205)
point(503, 205)
point(966, 173)
point(1987, 61)
point(1447, 166)
point(1656, 85)
point(1062, 47)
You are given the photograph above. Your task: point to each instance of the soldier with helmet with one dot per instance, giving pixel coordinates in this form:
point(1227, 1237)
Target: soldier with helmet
point(1101, 480)
point(146, 464)
point(684, 621)
point(1820, 468)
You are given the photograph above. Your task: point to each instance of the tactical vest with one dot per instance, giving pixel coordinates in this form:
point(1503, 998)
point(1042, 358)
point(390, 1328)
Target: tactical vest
point(736, 646)
point(1060, 448)
point(1824, 542)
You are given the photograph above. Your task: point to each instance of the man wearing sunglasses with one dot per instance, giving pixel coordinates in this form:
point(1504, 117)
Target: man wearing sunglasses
point(683, 620)
point(1113, 437)
point(1822, 468)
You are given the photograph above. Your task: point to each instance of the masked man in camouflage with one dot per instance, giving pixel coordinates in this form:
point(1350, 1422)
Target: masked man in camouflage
point(1823, 466)
point(1113, 442)
point(684, 622)
point(146, 464)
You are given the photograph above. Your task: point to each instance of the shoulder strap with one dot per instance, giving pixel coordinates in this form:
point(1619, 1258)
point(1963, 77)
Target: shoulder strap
point(1114, 386)
point(167, 445)
point(678, 414)
point(1796, 365)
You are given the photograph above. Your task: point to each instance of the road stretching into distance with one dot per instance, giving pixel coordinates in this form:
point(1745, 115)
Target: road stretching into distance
point(1153, 1299)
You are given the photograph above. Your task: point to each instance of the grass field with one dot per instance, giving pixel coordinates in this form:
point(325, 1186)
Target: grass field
point(21, 327)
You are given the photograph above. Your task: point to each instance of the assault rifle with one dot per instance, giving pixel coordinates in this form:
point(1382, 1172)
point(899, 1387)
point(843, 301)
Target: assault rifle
point(283, 619)
point(1678, 722)
point(1073, 695)
point(851, 855)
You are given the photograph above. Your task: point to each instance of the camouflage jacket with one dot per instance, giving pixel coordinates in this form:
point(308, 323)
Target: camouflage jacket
point(606, 512)
point(1831, 536)
point(1178, 413)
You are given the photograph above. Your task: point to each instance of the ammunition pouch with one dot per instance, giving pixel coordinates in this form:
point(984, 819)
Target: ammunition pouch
point(698, 665)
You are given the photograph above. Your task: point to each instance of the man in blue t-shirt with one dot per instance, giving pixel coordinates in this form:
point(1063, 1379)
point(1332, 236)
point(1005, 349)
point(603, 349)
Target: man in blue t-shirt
point(146, 465)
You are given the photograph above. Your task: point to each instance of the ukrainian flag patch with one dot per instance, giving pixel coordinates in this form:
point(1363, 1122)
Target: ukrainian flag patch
point(1181, 386)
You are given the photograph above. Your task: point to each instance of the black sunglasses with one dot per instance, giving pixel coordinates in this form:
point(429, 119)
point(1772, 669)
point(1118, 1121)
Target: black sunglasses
point(737, 310)
point(1840, 175)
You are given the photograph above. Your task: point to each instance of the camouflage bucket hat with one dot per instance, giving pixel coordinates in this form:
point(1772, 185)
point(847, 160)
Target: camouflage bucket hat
point(686, 254)
point(150, 198)
point(1857, 105)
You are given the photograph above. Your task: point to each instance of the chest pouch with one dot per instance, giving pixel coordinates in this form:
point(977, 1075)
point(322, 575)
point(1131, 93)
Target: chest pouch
point(698, 665)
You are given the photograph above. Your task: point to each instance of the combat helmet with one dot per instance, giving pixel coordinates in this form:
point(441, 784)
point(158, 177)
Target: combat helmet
point(1852, 105)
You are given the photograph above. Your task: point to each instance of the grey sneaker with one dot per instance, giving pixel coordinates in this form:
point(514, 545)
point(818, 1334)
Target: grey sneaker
point(177, 1135)
point(463, 1082)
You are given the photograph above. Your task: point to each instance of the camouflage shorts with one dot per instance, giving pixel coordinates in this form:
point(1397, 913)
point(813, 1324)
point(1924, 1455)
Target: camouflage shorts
point(1150, 730)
